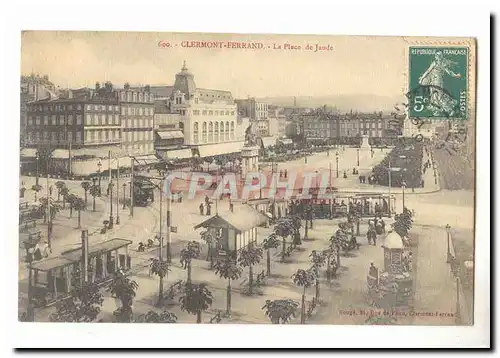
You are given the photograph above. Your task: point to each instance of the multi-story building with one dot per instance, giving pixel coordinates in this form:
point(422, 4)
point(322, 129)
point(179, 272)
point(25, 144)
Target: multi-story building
point(258, 112)
point(81, 129)
point(137, 119)
point(34, 88)
point(208, 118)
point(319, 125)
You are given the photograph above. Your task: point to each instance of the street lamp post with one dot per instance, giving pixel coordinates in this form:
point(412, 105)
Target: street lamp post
point(37, 160)
point(124, 189)
point(357, 150)
point(111, 205)
point(99, 165)
point(337, 161)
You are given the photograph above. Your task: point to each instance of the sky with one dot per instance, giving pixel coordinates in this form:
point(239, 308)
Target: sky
point(355, 65)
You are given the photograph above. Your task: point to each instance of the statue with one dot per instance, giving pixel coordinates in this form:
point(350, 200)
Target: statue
point(249, 137)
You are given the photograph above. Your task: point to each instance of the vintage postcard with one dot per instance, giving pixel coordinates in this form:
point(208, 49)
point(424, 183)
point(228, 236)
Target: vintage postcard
point(246, 179)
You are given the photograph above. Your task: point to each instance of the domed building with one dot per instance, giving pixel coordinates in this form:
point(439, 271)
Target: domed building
point(207, 117)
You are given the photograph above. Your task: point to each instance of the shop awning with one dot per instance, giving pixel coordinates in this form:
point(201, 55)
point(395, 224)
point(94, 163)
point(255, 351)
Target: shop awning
point(28, 152)
point(179, 154)
point(100, 247)
point(170, 134)
point(61, 154)
point(102, 152)
point(211, 150)
point(268, 141)
point(147, 159)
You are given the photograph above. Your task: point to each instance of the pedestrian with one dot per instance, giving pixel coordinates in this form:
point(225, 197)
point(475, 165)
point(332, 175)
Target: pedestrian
point(286, 173)
point(46, 249)
point(231, 206)
point(22, 191)
point(201, 209)
point(373, 272)
point(50, 190)
point(207, 200)
point(209, 211)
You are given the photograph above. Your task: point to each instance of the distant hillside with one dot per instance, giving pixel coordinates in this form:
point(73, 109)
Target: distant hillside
point(344, 103)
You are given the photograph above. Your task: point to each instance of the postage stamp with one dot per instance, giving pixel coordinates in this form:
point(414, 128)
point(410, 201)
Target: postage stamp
point(438, 85)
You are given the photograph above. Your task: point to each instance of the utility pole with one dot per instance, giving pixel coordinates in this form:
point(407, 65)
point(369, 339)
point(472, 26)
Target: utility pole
point(161, 223)
point(49, 219)
point(331, 189)
point(117, 191)
point(109, 167)
point(169, 252)
point(132, 186)
point(390, 175)
point(85, 257)
point(31, 309)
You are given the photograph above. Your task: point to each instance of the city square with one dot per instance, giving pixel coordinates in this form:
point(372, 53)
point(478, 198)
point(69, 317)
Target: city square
point(182, 204)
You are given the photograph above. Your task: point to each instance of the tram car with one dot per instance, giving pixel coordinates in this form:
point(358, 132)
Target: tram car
point(143, 191)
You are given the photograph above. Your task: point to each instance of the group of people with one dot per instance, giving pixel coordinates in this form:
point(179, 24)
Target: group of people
point(207, 206)
point(38, 252)
point(371, 179)
point(283, 174)
point(376, 227)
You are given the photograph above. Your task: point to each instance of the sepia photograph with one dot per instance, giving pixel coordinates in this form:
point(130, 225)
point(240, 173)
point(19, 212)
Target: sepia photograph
point(238, 179)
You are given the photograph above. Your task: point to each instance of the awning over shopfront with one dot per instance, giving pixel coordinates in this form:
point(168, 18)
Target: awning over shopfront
point(211, 150)
point(170, 134)
point(61, 154)
point(286, 141)
point(102, 152)
point(268, 141)
point(28, 152)
point(179, 154)
point(146, 159)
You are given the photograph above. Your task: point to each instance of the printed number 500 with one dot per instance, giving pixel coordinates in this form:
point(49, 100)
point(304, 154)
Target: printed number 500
point(418, 105)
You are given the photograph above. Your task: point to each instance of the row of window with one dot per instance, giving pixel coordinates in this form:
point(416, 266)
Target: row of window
point(37, 137)
point(197, 112)
point(136, 97)
point(137, 123)
point(54, 120)
point(102, 120)
point(213, 137)
point(102, 136)
point(54, 107)
point(137, 111)
point(102, 108)
point(214, 132)
point(137, 136)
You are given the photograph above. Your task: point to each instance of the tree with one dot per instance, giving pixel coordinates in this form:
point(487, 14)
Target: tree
point(284, 227)
point(83, 305)
point(229, 270)
point(94, 191)
point(280, 311)
point(192, 251)
point(36, 188)
point(296, 224)
point(124, 289)
point(86, 185)
point(79, 204)
point(250, 256)
point(211, 241)
point(54, 209)
point(403, 223)
point(64, 193)
point(270, 242)
point(71, 198)
point(159, 268)
point(153, 317)
point(318, 260)
point(59, 185)
point(304, 279)
point(196, 299)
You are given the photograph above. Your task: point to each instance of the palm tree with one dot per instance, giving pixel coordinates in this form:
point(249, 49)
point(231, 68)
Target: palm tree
point(192, 251)
point(59, 185)
point(79, 204)
point(284, 228)
point(64, 193)
point(124, 289)
point(86, 185)
point(153, 317)
point(248, 257)
point(196, 299)
point(159, 268)
point(54, 209)
point(304, 279)
point(94, 191)
point(211, 241)
point(270, 242)
point(280, 311)
point(230, 270)
point(70, 198)
point(36, 188)
point(318, 260)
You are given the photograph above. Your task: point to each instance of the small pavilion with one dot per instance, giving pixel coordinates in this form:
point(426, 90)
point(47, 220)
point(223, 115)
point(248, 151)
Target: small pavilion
point(237, 229)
